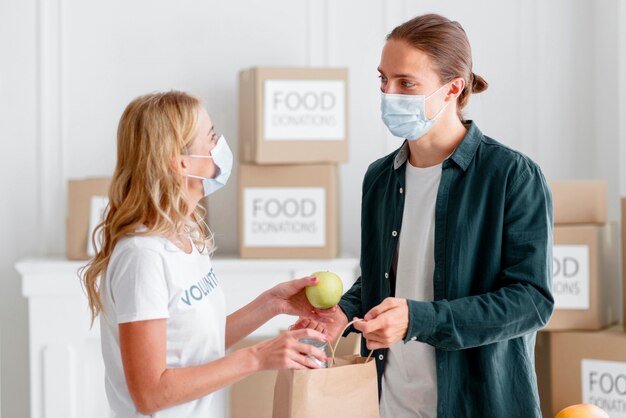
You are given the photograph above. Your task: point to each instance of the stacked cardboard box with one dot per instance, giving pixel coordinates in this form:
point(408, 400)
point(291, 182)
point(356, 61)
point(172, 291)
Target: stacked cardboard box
point(583, 367)
point(292, 135)
point(86, 203)
point(576, 347)
point(585, 257)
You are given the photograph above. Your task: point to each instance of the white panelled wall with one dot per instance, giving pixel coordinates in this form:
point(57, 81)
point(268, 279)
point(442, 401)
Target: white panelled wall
point(557, 74)
point(621, 105)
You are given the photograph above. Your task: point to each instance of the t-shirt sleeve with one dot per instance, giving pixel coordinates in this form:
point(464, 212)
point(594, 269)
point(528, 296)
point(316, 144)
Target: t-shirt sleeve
point(138, 287)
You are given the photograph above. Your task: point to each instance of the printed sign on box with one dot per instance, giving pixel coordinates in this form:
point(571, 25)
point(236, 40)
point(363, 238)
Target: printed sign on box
point(304, 110)
point(570, 282)
point(288, 211)
point(293, 115)
point(604, 385)
point(584, 278)
point(284, 217)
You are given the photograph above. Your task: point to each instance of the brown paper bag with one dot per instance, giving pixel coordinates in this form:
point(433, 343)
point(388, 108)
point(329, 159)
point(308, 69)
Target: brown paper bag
point(347, 389)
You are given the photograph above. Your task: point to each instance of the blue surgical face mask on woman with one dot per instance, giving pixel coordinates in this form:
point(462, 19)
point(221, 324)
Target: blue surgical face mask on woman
point(223, 158)
point(405, 114)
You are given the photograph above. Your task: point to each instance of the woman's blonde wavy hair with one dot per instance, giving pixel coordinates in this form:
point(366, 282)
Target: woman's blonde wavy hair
point(148, 187)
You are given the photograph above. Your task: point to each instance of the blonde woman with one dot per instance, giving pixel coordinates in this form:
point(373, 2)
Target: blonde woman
point(163, 324)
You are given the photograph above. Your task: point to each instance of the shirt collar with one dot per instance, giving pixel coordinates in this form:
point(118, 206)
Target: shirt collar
point(462, 155)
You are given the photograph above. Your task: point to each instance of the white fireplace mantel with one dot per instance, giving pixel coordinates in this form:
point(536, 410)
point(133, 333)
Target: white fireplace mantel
point(66, 368)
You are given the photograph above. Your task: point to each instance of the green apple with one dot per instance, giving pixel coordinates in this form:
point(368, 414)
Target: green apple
point(327, 292)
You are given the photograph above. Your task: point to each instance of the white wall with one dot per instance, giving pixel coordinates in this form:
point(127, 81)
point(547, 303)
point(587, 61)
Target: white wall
point(70, 67)
point(20, 160)
point(606, 97)
point(621, 87)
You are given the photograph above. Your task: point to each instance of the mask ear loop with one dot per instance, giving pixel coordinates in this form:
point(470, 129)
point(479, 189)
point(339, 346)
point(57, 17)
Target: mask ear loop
point(195, 177)
point(204, 156)
point(435, 92)
point(442, 109)
point(199, 156)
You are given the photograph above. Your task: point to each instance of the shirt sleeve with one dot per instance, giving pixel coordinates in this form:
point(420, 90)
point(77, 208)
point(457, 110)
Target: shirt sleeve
point(523, 302)
point(138, 287)
point(350, 304)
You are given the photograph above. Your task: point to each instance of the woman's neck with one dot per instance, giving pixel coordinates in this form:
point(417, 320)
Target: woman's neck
point(195, 193)
point(180, 240)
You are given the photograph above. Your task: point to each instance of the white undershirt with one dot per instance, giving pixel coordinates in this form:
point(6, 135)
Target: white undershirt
point(409, 386)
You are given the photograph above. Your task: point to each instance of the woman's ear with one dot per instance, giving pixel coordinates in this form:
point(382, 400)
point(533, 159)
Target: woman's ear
point(456, 88)
point(180, 163)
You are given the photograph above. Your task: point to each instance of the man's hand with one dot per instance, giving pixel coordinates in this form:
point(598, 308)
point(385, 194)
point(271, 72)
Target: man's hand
point(385, 324)
point(332, 329)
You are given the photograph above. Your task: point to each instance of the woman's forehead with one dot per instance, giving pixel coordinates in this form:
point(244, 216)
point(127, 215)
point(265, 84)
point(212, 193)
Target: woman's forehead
point(204, 118)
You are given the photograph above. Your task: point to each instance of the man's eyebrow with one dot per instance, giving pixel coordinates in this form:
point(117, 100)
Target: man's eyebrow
point(399, 75)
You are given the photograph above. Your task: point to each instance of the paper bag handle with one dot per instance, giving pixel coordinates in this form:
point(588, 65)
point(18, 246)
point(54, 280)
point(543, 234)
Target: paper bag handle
point(333, 349)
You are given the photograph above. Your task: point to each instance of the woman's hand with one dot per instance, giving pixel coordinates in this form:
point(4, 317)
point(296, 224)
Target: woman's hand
point(331, 329)
point(284, 298)
point(289, 298)
point(385, 324)
point(286, 352)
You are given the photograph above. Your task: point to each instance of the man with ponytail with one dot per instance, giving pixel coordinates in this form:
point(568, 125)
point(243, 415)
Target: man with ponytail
point(456, 244)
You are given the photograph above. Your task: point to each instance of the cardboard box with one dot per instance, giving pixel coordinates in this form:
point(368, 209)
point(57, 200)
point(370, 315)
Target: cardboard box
point(288, 211)
point(579, 202)
point(254, 395)
point(585, 277)
point(587, 367)
point(293, 115)
point(542, 369)
point(86, 200)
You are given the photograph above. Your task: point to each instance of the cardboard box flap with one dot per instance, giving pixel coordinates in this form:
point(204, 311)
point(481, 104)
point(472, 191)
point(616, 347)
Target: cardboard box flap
point(579, 202)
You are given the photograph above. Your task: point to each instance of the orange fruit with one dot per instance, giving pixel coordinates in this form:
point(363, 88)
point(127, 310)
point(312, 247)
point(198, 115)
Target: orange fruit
point(583, 410)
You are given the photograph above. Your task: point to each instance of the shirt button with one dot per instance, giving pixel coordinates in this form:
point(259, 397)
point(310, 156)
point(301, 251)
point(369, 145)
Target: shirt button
point(381, 357)
point(401, 190)
point(394, 234)
point(414, 338)
point(386, 275)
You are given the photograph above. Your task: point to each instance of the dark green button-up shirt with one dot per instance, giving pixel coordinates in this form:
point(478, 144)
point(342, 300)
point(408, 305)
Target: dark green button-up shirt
point(492, 278)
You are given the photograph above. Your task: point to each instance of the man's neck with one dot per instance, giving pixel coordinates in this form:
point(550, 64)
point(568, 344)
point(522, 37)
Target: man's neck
point(438, 144)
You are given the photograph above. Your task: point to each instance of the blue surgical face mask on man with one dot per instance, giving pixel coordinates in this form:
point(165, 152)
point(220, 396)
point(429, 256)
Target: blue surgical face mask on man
point(405, 114)
point(223, 158)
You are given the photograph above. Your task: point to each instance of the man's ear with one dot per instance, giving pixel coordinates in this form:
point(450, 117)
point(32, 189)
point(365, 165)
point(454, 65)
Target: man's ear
point(456, 87)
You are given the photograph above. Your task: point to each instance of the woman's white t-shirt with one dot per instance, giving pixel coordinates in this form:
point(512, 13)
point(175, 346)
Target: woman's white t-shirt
point(148, 277)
